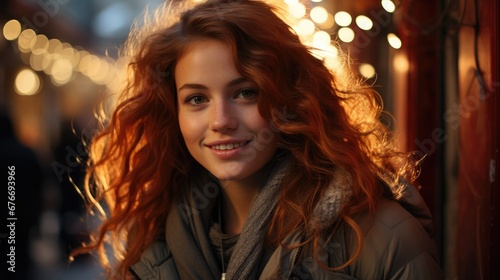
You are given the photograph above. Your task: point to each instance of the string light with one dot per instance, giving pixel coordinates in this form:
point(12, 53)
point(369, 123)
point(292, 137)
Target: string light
point(367, 70)
point(343, 18)
point(11, 30)
point(364, 22)
point(39, 44)
point(61, 60)
point(401, 63)
point(298, 10)
point(57, 59)
point(394, 40)
point(328, 23)
point(305, 27)
point(388, 5)
point(346, 34)
point(319, 14)
point(27, 82)
point(321, 39)
point(24, 39)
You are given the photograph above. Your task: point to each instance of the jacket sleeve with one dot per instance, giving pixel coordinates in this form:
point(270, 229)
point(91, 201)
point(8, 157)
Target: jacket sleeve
point(424, 266)
point(396, 246)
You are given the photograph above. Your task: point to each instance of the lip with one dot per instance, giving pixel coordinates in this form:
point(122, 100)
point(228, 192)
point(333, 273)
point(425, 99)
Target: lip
point(227, 154)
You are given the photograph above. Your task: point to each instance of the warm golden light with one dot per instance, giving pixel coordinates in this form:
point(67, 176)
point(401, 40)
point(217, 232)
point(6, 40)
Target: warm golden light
point(367, 70)
point(39, 61)
point(319, 14)
point(401, 63)
point(328, 23)
point(364, 22)
point(394, 41)
point(61, 71)
point(99, 76)
point(94, 63)
point(24, 40)
point(321, 39)
point(343, 18)
point(388, 5)
point(39, 44)
point(346, 34)
point(26, 82)
point(329, 55)
point(69, 53)
point(298, 10)
point(54, 46)
point(305, 27)
point(11, 30)
point(84, 62)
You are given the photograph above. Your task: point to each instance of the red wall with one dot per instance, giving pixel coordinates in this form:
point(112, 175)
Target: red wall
point(430, 122)
point(477, 246)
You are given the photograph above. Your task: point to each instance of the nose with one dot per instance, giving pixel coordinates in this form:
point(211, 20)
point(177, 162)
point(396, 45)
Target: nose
point(223, 117)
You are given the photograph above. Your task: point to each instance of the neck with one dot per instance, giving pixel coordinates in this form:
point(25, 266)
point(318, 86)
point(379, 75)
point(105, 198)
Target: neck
point(237, 197)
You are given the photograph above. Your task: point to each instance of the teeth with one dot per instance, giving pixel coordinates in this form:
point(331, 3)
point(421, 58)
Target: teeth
point(224, 147)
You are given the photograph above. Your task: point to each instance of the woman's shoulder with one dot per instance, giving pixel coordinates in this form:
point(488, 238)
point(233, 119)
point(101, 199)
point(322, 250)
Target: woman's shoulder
point(396, 242)
point(392, 226)
point(155, 262)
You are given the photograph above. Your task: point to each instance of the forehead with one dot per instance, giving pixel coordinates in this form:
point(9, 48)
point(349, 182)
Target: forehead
point(205, 61)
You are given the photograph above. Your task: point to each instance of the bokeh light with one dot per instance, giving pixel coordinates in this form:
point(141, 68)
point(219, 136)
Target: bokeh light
point(346, 34)
point(39, 44)
point(343, 18)
point(27, 82)
point(11, 30)
point(364, 22)
point(321, 39)
point(367, 70)
point(394, 41)
point(319, 14)
point(24, 40)
point(62, 71)
point(401, 63)
point(305, 27)
point(298, 10)
point(388, 5)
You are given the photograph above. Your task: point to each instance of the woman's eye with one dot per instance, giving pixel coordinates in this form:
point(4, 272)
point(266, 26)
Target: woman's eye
point(247, 93)
point(195, 100)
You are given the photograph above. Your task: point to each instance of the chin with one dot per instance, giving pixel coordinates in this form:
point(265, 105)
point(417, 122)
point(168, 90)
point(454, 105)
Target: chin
point(230, 173)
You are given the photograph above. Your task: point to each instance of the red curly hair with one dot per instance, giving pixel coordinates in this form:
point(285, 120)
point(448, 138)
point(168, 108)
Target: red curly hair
point(325, 118)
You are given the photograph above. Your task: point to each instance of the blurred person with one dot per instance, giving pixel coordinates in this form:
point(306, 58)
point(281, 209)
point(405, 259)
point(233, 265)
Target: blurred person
point(234, 152)
point(27, 182)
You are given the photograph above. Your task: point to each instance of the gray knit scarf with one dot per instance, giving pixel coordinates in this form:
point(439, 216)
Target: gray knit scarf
point(188, 224)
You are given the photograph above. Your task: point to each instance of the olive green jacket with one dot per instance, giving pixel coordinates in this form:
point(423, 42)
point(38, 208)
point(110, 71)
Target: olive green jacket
point(397, 245)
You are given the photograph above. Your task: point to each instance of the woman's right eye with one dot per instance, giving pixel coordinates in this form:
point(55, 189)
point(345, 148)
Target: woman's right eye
point(195, 100)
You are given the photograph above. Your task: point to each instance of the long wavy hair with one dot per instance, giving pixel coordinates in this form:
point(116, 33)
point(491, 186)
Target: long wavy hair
point(326, 118)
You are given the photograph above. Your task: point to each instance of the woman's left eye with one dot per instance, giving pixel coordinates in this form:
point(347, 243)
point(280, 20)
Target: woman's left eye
point(247, 93)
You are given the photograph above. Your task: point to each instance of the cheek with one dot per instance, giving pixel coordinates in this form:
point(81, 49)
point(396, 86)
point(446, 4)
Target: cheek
point(254, 120)
point(188, 130)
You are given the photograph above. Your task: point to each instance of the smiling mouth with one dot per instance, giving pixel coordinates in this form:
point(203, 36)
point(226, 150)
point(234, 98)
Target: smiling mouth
point(231, 146)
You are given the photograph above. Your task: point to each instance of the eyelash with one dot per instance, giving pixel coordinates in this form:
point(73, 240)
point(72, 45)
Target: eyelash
point(192, 97)
point(254, 91)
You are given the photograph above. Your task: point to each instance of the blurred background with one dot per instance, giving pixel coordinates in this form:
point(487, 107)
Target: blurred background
point(434, 62)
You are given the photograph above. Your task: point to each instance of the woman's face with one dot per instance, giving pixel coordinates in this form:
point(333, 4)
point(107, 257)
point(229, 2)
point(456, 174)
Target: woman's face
point(218, 114)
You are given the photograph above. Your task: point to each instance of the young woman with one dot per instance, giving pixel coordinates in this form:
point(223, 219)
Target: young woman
point(235, 152)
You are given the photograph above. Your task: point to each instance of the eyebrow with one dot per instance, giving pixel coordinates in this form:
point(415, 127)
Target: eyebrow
point(232, 83)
